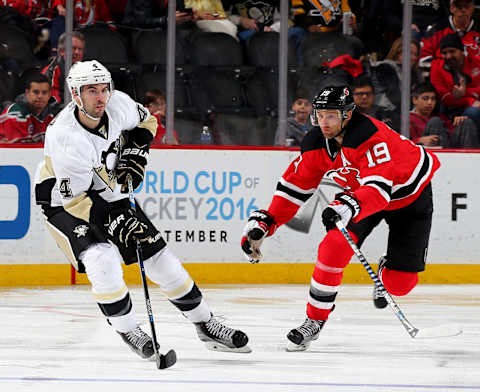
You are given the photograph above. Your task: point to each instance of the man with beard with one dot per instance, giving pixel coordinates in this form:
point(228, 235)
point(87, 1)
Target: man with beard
point(456, 78)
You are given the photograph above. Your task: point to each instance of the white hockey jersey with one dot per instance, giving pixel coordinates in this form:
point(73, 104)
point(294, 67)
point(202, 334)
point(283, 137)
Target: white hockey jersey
point(81, 160)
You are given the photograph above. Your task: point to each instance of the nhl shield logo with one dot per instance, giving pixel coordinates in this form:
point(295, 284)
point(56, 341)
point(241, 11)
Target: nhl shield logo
point(81, 230)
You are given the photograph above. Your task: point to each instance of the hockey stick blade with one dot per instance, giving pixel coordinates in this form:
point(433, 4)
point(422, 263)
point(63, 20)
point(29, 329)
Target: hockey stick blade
point(442, 331)
point(167, 360)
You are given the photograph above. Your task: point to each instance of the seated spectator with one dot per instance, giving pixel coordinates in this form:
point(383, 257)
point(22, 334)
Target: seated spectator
point(86, 12)
point(55, 71)
point(299, 124)
point(211, 16)
point(26, 120)
point(152, 14)
point(456, 78)
point(251, 17)
point(155, 102)
point(460, 22)
point(364, 98)
point(437, 130)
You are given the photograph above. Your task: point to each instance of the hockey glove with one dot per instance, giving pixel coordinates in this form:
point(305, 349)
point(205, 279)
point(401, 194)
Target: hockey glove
point(133, 158)
point(124, 228)
point(260, 225)
point(344, 208)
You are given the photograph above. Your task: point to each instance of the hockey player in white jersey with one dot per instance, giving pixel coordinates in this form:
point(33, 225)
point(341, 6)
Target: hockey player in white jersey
point(93, 145)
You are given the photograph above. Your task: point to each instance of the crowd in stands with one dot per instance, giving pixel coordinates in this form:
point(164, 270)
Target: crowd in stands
point(227, 64)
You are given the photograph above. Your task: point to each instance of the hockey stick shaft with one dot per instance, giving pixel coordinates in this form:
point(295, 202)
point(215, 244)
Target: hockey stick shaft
point(412, 331)
point(162, 361)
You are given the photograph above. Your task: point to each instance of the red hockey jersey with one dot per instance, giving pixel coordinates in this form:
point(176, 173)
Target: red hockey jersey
point(382, 169)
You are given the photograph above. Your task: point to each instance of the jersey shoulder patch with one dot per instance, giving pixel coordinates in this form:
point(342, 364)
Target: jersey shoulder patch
point(313, 140)
point(359, 130)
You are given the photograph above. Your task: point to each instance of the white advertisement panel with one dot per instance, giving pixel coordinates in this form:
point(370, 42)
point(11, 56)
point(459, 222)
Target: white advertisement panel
point(200, 200)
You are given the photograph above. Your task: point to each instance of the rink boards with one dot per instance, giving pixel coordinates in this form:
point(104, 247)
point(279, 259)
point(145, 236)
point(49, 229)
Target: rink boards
point(200, 198)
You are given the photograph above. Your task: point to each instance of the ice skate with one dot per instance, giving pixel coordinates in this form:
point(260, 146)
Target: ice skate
point(139, 342)
point(378, 299)
point(219, 337)
point(299, 339)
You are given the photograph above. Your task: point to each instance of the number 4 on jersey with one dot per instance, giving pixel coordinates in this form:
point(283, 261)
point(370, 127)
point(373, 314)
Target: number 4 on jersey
point(380, 154)
point(64, 188)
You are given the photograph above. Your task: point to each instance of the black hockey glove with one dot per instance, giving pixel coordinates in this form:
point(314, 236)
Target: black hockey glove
point(133, 158)
point(124, 228)
point(260, 225)
point(343, 208)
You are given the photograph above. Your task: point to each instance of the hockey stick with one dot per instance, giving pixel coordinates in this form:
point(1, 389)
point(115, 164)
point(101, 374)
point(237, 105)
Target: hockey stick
point(169, 359)
point(440, 331)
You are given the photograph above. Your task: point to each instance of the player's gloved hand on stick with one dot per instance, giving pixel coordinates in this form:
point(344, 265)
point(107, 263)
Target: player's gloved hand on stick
point(260, 225)
point(133, 158)
point(343, 208)
point(124, 228)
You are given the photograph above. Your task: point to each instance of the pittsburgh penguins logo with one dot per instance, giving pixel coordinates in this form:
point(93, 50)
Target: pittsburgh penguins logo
point(347, 177)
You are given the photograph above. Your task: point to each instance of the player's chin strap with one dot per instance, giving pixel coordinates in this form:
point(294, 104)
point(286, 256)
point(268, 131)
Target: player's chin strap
point(82, 109)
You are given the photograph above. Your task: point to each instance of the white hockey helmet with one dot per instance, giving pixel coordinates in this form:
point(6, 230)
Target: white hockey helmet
point(84, 73)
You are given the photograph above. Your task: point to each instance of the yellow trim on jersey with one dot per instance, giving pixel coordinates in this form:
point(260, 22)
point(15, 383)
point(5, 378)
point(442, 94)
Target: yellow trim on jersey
point(80, 207)
point(179, 291)
point(150, 124)
point(63, 243)
point(111, 297)
point(46, 171)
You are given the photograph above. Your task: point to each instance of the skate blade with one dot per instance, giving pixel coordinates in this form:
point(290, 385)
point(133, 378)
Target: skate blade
point(291, 347)
point(214, 346)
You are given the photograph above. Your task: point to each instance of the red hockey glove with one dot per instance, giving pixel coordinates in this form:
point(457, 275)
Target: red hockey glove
point(344, 208)
point(260, 225)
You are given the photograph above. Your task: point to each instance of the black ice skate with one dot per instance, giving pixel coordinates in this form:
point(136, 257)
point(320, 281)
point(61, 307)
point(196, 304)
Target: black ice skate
point(139, 342)
point(378, 299)
point(219, 337)
point(299, 339)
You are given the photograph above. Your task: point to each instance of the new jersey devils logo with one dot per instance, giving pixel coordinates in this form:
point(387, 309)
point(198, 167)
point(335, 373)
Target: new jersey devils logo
point(346, 177)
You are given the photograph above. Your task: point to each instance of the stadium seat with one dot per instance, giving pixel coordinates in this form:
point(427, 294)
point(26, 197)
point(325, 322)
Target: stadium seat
point(157, 80)
point(8, 83)
point(215, 49)
point(317, 48)
point(220, 90)
point(150, 47)
point(313, 79)
point(262, 90)
point(17, 45)
point(262, 50)
point(105, 45)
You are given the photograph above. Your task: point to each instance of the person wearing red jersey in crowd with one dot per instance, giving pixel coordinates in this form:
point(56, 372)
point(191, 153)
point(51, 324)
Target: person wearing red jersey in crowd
point(390, 180)
point(460, 22)
point(456, 77)
point(55, 71)
point(31, 8)
point(26, 120)
point(156, 103)
point(86, 12)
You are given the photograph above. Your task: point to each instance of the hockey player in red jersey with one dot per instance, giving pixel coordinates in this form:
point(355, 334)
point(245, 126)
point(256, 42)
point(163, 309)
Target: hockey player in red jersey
point(384, 176)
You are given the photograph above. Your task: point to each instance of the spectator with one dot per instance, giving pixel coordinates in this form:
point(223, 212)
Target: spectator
point(387, 76)
point(86, 12)
point(152, 14)
point(251, 17)
point(424, 15)
point(456, 78)
point(299, 124)
point(211, 16)
point(318, 16)
point(156, 103)
point(364, 98)
point(460, 22)
point(26, 120)
point(55, 71)
point(437, 130)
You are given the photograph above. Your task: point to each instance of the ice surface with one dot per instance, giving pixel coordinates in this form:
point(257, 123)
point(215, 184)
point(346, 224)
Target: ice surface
point(55, 339)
